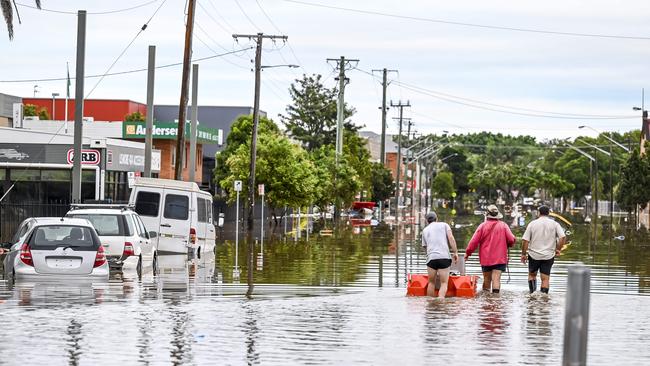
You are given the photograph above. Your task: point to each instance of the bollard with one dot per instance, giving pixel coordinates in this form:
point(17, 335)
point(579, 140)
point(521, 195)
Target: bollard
point(576, 320)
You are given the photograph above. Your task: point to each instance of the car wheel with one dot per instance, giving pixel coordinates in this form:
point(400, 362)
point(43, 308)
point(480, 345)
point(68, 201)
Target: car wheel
point(198, 253)
point(155, 264)
point(139, 266)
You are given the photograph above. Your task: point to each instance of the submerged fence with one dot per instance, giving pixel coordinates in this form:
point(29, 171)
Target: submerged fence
point(12, 214)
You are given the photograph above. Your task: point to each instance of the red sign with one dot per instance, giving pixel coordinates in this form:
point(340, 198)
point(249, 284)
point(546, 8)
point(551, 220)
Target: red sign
point(88, 157)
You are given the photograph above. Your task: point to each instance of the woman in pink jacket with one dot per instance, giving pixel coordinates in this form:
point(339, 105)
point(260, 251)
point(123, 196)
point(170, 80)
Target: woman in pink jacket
point(492, 237)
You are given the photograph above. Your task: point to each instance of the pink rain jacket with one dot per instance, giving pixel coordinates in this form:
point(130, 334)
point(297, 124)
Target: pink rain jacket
point(492, 237)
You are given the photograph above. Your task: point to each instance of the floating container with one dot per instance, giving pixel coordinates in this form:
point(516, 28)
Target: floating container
point(458, 286)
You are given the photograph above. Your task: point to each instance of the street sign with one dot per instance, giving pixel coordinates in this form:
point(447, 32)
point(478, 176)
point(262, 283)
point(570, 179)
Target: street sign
point(88, 157)
point(238, 186)
point(260, 189)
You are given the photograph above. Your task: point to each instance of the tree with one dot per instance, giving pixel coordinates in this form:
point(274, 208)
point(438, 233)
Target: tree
point(336, 182)
point(8, 13)
point(284, 168)
point(30, 110)
point(135, 117)
point(311, 118)
point(443, 185)
point(43, 114)
point(383, 185)
point(358, 156)
point(240, 134)
point(633, 186)
point(459, 166)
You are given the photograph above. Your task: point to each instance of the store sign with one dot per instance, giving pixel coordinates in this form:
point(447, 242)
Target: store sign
point(88, 157)
point(169, 131)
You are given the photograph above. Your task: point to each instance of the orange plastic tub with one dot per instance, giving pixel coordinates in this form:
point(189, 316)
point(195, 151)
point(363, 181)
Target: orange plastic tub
point(460, 286)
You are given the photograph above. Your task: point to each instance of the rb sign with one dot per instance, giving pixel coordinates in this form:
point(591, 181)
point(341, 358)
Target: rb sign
point(88, 157)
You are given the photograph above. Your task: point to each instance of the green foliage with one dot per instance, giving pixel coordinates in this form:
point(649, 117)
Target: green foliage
point(335, 182)
point(459, 166)
point(43, 114)
point(443, 185)
point(311, 118)
point(383, 185)
point(284, 168)
point(358, 157)
point(240, 134)
point(135, 117)
point(635, 180)
point(30, 110)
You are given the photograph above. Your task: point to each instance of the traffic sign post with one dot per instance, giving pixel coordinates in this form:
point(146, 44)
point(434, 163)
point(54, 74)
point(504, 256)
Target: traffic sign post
point(235, 271)
point(260, 190)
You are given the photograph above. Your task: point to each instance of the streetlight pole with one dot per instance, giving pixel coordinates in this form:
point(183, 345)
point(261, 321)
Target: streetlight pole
point(611, 190)
point(594, 186)
point(54, 95)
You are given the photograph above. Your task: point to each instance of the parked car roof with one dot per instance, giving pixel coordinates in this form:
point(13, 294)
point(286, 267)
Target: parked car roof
point(167, 183)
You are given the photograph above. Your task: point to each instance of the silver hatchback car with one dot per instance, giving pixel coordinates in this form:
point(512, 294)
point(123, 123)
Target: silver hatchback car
point(56, 248)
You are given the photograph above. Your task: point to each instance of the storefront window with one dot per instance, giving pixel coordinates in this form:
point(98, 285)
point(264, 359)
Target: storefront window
point(3, 174)
point(22, 175)
point(55, 175)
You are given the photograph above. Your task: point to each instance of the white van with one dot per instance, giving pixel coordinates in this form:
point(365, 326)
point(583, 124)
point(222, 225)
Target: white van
point(178, 211)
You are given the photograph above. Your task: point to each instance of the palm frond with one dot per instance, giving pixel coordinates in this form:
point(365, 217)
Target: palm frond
point(8, 13)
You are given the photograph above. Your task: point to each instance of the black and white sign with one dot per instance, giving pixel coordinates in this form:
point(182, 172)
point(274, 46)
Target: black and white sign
point(88, 157)
point(238, 186)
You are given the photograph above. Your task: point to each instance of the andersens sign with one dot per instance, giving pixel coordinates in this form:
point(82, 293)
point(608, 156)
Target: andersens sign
point(88, 156)
point(169, 130)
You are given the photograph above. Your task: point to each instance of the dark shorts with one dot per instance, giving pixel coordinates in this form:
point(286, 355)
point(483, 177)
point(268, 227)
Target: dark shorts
point(544, 266)
point(498, 267)
point(439, 263)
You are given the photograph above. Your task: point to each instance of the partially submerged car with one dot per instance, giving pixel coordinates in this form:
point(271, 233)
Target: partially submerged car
point(60, 248)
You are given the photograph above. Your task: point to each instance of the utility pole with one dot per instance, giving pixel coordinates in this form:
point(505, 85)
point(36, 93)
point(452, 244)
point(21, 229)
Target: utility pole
point(148, 141)
point(408, 163)
point(79, 105)
point(194, 123)
point(258, 38)
point(342, 64)
point(399, 153)
point(384, 108)
point(182, 107)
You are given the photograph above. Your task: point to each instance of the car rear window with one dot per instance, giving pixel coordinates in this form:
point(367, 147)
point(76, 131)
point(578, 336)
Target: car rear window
point(55, 236)
point(177, 207)
point(105, 224)
point(147, 203)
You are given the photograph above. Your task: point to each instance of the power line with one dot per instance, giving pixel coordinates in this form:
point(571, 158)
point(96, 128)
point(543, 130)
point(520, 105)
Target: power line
point(142, 29)
point(127, 71)
point(246, 15)
point(259, 5)
point(89, 13)
point(489, 106)
point(473, 25)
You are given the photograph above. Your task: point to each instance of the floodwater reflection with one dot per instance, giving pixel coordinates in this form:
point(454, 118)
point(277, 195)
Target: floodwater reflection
point(330, 297)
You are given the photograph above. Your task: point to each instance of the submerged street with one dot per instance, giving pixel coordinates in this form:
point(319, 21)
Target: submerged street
point(329, 299)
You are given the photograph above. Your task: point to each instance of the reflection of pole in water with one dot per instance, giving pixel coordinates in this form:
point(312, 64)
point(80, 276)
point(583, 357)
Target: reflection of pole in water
point(381, 269)
point(74, 333)
point(251, 263)
point(252, 330)
point(397, 237)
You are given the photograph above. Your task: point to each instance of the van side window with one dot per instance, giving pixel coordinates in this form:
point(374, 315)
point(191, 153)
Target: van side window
point(147, 203)
point(201, 209)
point(209, 206)
point(177, 207)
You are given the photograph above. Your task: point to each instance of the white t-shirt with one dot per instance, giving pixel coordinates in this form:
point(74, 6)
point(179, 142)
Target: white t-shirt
point(434, 238)
point(542, 235)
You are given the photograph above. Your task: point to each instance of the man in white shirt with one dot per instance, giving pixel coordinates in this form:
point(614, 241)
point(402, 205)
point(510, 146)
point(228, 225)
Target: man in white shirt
point(437, 238)
point(542, 241)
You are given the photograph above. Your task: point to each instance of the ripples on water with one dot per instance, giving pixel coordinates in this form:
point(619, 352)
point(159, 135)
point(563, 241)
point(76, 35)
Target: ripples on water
point(327, 300)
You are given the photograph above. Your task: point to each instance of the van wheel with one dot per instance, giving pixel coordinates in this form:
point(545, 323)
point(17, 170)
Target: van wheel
point(155, 264)
point(138, 269)
point(198, 253)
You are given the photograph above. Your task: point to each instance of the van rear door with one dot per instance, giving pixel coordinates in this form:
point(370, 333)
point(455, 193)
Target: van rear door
point(175, 222)
point(148, 206)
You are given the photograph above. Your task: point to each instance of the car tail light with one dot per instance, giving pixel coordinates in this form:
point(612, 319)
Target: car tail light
point(26, 255)
point(100, 257)
point(193, 235)
point(128, 250)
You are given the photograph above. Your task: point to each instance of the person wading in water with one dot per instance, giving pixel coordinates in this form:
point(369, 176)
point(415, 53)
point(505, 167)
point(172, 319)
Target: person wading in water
point(437, 238)
point(542, 242)
point(492, 238)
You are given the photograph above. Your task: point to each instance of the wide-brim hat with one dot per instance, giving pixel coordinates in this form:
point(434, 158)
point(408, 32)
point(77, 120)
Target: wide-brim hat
point(493, 213)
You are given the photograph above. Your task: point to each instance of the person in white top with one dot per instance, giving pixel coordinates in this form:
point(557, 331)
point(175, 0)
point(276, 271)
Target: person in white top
point(437, 238)
point(542, 241)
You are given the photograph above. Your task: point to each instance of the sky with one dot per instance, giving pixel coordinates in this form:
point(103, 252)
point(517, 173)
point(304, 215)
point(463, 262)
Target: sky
point(460, 70)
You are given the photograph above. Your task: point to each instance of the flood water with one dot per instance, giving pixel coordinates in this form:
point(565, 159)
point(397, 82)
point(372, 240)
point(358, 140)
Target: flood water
point(330, 298)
